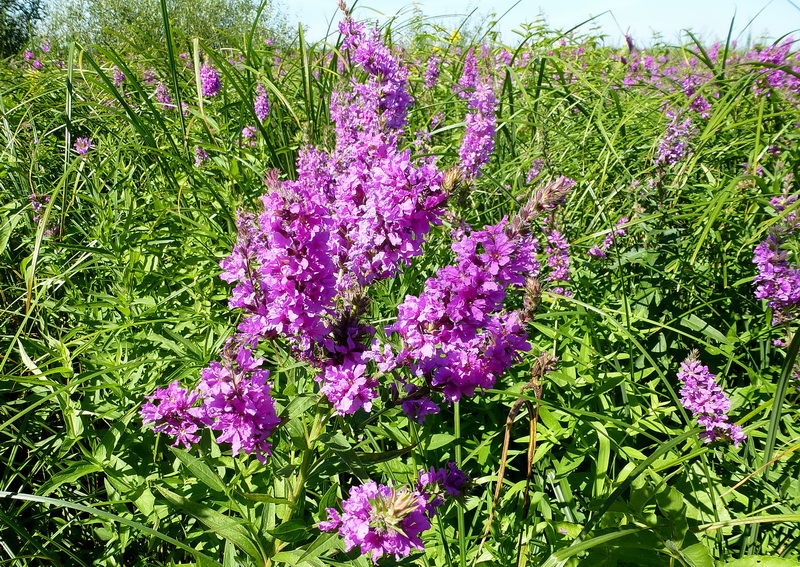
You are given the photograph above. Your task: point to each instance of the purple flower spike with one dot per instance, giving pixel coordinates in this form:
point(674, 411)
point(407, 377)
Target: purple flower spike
point(381, 520)
point(83, 145)
point(210, 83)
point(438, 484)
point(432, 72)
point(200, 156)
point(261, 103)
point(456, 332)
point(478, 142)
point(174, 413)
point(238, 402)
point(702, 396)
point(777, 281)
point(674, 145)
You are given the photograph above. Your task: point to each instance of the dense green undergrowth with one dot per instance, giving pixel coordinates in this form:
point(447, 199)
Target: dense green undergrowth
point(114, 292)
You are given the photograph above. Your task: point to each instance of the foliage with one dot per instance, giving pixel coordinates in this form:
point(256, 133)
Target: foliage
point(110, 22)
point(17, 21)
point(110, 257)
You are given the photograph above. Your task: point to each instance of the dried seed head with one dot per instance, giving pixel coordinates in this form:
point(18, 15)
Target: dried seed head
point(532, 297)
point(452, 180)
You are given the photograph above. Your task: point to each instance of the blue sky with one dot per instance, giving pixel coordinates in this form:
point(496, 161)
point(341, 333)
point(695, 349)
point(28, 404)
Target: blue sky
point(640, 18)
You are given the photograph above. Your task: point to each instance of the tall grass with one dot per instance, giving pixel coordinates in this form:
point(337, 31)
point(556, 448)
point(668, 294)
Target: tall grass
point(125, 297)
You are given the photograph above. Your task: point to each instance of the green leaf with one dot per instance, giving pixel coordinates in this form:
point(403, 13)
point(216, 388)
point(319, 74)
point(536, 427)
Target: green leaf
point(761, 561)
point(200, 470)
point(559, 558)
point(204, 559)
point(439, 440)
point(267, 498)
point(229, 528)
point(6, 228)
point(68, 476)
point(697, 555)
point(291, 531)
point(335, 441)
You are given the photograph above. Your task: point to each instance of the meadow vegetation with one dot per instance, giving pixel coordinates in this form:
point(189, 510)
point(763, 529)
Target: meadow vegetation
point(409, 296)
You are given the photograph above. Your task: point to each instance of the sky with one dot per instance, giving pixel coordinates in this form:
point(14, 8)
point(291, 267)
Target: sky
point(710, 19)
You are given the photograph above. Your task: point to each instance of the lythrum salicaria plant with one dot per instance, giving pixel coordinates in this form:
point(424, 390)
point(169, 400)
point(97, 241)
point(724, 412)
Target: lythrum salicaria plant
point(303, 266)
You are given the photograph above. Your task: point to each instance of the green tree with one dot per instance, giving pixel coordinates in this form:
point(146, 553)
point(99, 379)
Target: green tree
point(111, 22)
point(17, 20)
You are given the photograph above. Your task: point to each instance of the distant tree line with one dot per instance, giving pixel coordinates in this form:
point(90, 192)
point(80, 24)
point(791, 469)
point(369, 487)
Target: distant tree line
point(121, 23)
point(18, 19)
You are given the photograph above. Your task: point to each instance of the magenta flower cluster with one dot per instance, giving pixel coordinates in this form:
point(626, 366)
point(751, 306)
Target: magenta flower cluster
point(442, 483)
point(599, 251)
point(174, 413)
point(455, 334)
point(83, 145)
point(353, 216)
point(778, 280)
point(702, 396)
point(261, 103)
point(674, 145)
point(469, 76)
point(210, 83)
point(234, 400)
point(387, 520)
point(478, 142)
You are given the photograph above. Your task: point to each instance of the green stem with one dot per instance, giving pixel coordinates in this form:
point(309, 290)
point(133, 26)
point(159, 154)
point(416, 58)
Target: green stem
point(462, 544)
point(320, 418)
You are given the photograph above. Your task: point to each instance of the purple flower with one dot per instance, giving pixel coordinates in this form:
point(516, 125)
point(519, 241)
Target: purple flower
point(38, 201)
point(757, 170)
point(702, 396)
point(348, 386)
point(432, 72)
point(790, 221)
point(237, 402)
point(438, 484)
point(381, 520)
point(535, 171)
point(210, 84)
point(119, 77)
point(417, 404)
point(557, 251)
point(261, 103)
point(608, 241)
point(478, 142)
point(777, 281)
point(150, 77)
point(674, 145)
point(83, 145)
point(455, 332)
point(163, 96)
point(200, 156)
point(469, 77)
point(284, 268)
point(174, 413)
